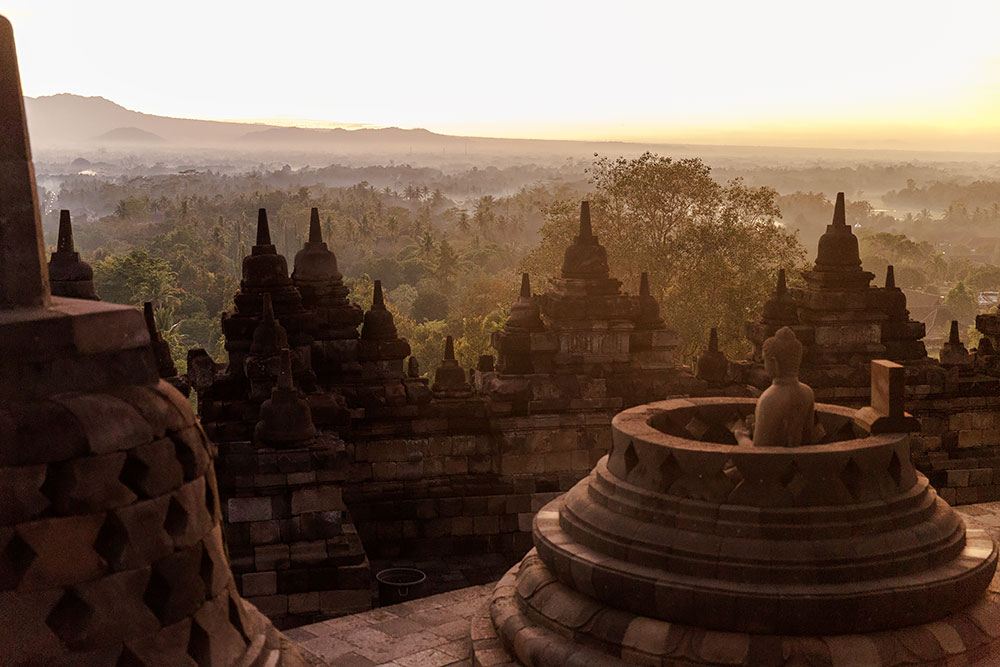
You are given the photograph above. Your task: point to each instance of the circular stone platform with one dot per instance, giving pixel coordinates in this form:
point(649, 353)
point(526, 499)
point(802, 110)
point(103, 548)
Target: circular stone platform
point(682, 548)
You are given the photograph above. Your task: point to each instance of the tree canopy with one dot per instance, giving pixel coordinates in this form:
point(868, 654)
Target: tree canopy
point(712, 249)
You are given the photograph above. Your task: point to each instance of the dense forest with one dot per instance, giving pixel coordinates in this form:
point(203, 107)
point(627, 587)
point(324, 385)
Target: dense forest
point(448, 244)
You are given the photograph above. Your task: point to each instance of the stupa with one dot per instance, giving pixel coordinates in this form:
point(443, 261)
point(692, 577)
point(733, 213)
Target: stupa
point(583, 344)
point(69, 276)
point(321, 285)
point(684, 548)
point(111, 546)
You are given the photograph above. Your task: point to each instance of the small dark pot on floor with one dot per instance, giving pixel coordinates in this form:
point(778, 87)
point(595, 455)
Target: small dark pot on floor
point(399, 584)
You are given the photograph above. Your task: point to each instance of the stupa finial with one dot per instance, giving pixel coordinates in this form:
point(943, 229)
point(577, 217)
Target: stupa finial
point(263, 230)
point(953, 337)
point(782, 287)
point(586, 230)
point(525, 286)
point(449, 348)
point(890, 277)
point(840, 211)
point(644, 284)
point(713, 340)
point(24, 275)
point(378, 301)
point(315, 232)
point(65, 242)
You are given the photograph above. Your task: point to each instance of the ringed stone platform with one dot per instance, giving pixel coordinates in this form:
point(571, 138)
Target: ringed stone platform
point(683, 548)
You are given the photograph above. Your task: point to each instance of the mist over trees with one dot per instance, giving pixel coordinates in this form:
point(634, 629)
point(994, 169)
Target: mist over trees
point(449, 241)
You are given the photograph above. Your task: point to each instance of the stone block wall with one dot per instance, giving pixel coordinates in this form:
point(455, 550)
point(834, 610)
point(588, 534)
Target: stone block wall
point(294, 550)
point(457, 494)
point(958, 445)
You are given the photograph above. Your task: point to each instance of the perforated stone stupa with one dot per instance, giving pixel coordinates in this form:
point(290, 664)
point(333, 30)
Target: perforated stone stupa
point(685, 548)
point(111, 549)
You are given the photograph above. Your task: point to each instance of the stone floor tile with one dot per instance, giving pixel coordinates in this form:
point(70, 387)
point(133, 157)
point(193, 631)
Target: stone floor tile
point(399, 627)
point(460, 648)
point(300, 635)
point(328, 648)
point(429, 658)
point(456, 629)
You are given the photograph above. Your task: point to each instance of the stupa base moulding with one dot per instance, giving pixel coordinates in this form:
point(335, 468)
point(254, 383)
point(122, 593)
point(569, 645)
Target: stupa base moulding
point(578, 631)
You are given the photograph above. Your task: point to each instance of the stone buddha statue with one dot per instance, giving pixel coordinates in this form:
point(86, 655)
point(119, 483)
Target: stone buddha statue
point(784, 414)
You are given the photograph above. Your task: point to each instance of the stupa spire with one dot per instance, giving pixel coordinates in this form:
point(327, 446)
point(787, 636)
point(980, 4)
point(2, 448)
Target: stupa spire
point(890, 277)
point(449, 349)
point(69, 276)
point(586, 230)
point(263, 230)
point(24, 276)
point(525, 286)
point(378, 301)
point(782, 287)
point(644, 284)
point(315, 232)
point(712, 366)
point(840, 211)
point(65, 242)
point(953, 337)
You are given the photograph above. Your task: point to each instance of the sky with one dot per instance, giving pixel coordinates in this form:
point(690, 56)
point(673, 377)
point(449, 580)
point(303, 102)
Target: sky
point(915, 74)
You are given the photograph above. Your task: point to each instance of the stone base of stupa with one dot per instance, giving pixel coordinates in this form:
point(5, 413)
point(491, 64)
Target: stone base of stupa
point(576, 630)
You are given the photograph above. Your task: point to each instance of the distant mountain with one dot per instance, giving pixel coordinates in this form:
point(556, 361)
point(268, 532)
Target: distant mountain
point(129, 135)
point(64, 120)
point(67, 121)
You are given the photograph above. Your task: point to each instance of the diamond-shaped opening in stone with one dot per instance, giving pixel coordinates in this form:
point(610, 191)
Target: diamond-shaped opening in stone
point(896, 469)
point(15, 559)
point(631, 458)
point(112, 541)
point(236, 618)
point(199, 645)
point(134, 474)
point(177, 519)
point(793, 480)
point(851, 477)
point(207, 570)
point(54, 486)
point(70, 618)
point(128, 658)
point(187, 457)
point(670, 472)
point(157, 595)
point(210, 497)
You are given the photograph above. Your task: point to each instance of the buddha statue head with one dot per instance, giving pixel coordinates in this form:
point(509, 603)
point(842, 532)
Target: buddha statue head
point(782, 355)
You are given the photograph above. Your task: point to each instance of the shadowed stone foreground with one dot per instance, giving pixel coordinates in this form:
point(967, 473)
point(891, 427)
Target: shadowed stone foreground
point(111, 548)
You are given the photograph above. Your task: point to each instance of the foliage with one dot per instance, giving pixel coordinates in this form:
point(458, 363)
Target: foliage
point(712, 250)
point(962, 303)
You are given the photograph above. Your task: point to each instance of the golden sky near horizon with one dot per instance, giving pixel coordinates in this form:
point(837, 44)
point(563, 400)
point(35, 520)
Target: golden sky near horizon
point(887, 74)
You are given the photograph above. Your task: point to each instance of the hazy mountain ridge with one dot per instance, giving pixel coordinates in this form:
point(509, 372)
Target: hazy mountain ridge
point(68, 121)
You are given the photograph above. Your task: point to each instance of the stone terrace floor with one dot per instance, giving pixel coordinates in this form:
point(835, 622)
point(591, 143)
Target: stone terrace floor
point(434, 631)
